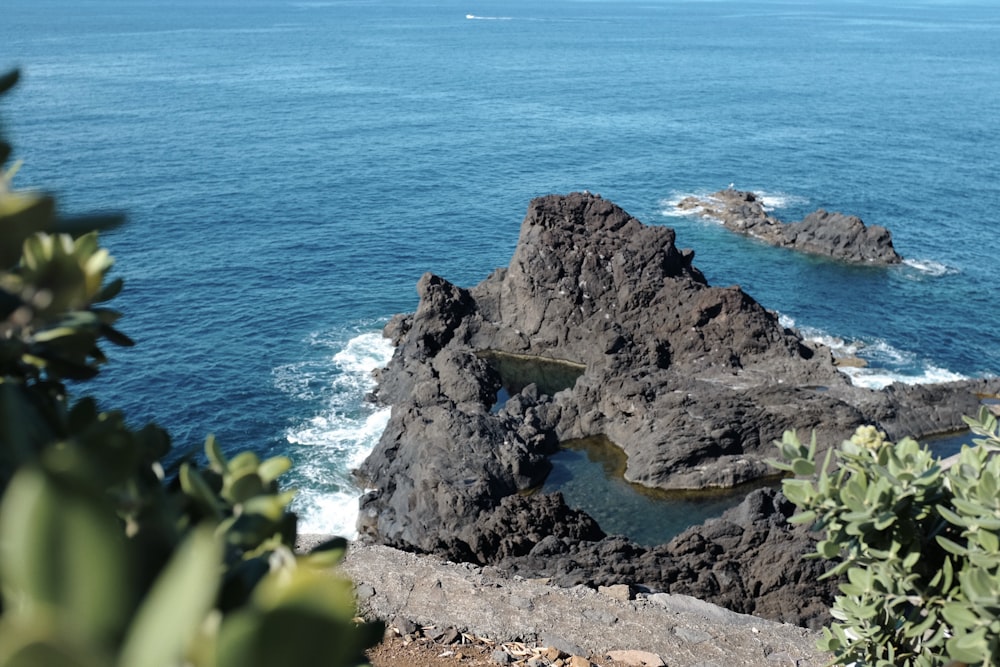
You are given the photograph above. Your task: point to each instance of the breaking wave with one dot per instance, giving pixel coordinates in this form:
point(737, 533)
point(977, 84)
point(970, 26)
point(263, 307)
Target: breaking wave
point(343, 430)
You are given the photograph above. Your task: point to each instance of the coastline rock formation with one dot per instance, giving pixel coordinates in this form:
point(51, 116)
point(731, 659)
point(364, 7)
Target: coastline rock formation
point(843, 237)
point(693, 382)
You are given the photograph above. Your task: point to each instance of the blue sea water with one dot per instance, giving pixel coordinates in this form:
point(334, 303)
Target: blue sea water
point(291, 168)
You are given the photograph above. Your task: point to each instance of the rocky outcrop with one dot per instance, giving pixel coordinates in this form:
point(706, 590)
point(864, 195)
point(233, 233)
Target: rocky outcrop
point(749, 560)
point(843, 237)
point(693, 382)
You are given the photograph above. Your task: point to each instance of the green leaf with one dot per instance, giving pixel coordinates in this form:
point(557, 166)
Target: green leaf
point(109, 291)
point(828, 549)
point(63, 550)
point(968, 648)
point(243, 486)
point(23, 216)
point(989, 541)
point(953, 518)
point(271, 506)
point(884, 520)
point(52, 653)
point(808, 516)
point(244, 462)
point(803, 468)
point(310, 610)
point(195, 486)
point(177, 605)
point(273, 468)
point(216, 459)
point(952, 547)
point(799, 491)
point(327, 554)
point(960, 616)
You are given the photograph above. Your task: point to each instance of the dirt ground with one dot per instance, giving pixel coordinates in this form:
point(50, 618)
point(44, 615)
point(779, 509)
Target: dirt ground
point(396, 651)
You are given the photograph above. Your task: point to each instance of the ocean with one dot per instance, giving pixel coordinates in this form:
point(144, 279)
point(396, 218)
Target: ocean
point(290, 169)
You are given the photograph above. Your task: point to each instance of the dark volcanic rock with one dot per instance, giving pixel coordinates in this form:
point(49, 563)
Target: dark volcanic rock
point(843, 237)
point(749, 560)
point(693, 382)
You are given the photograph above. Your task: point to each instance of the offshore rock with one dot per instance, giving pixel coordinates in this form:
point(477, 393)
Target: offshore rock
point(843, 237)
point(693, 382)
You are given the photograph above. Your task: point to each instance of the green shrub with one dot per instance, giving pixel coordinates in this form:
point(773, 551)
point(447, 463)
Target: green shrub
point(103, 561)
point(916, 541)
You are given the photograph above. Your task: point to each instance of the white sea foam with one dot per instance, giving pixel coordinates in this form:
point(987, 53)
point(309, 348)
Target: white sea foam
point(668, 206)
point(330, 444)
point(886, 364)
point(770, 201)
point(877, 378)
point(930, 267)
point(840, 347)
point(488, 18)
point(327, 503)
point(778, 200)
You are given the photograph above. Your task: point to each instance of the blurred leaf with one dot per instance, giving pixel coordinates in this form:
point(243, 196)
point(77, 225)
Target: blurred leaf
point(195, 486)
point(8, 80)
point(115, 336)
point(21, 427)
point(330, 552)
point(270, 506)
point(244, 462)
point(273, 468)
point(23, 214)
point(216, 458)
point(54, 653)
point(64, 552)
point(79, 225)
point(803, 467)
point(176, 606)
point(310, 610)
point(242, 486)
point(109, 291)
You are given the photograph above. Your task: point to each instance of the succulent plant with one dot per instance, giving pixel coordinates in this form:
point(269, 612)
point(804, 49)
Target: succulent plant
point(915, 540)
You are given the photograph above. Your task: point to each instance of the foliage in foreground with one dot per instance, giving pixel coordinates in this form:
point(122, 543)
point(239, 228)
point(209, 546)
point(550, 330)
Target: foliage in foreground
point(103, 562)
point(917, 542)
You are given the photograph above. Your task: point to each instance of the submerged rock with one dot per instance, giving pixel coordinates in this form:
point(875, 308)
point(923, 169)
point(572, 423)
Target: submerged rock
point(843, 237)
point(693, 382)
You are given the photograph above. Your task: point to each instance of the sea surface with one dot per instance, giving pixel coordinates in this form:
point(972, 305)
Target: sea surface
point(291, 169)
